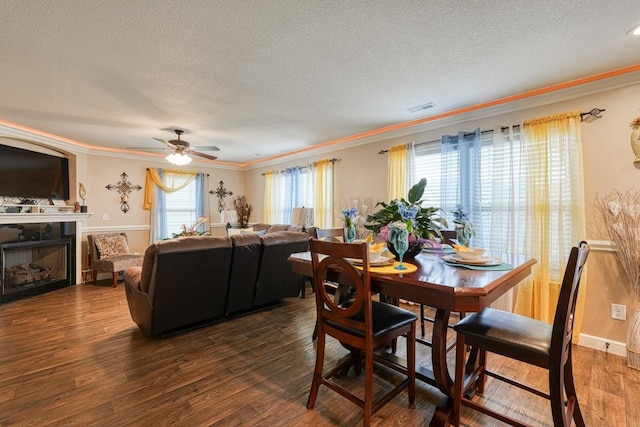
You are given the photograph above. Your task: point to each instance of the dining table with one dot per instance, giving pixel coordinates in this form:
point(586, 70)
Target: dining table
point(446, 287)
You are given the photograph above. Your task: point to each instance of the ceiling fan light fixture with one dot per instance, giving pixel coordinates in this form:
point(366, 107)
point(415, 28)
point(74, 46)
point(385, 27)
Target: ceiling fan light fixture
point(178, 158)
point(635, 31)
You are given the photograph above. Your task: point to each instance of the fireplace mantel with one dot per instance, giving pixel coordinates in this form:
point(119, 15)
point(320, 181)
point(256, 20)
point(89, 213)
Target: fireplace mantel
point(31, 218)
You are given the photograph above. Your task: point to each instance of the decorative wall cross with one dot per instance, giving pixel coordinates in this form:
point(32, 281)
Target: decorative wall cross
point(124, 187)
point(221, 193)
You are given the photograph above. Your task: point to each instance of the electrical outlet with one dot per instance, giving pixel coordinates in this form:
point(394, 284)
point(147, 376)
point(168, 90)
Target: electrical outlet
point(105, 217)
point(619, 311)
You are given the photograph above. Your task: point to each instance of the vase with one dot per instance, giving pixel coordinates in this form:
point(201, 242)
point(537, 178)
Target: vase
point(462, 238)
point(350, 234)
point(633, 340)
point(635, 144)
point(412, 252)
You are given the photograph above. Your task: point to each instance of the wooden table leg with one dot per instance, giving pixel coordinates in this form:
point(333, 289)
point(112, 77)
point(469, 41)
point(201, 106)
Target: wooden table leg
point(444, 411)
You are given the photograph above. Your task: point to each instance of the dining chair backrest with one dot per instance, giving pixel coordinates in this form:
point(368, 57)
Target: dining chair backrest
point(331, 234)
point(561, 336)
point(337, 318)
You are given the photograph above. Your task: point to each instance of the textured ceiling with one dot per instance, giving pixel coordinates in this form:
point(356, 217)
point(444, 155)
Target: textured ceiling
point(269, 77)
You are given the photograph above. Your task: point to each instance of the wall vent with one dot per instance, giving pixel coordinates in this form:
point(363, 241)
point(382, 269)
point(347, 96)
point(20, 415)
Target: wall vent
point(420, 108)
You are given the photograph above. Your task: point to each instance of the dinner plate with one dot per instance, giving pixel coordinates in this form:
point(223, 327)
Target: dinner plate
point(486, 261)
point(382, 260)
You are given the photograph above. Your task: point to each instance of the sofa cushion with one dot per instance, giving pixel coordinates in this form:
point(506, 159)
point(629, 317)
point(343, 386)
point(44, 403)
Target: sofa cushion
point(278, 227)
point(110, 246)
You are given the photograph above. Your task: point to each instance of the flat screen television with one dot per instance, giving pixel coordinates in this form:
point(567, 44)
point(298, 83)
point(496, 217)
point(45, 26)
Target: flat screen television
point(31, 175)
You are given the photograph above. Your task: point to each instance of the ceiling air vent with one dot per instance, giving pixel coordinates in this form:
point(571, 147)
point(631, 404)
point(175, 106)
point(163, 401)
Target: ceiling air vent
point(421, 108)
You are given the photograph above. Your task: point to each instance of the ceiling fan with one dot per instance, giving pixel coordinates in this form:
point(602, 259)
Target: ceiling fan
point(181, 149)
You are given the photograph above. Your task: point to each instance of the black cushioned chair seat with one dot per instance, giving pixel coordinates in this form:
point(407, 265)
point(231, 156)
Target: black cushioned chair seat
point(385, 318)
point(509, 334)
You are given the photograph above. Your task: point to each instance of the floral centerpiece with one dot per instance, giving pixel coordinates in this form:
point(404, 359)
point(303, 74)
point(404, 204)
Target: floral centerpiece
point(423, 223)
point(464, 227)
point(193, 229)
point(350, 216)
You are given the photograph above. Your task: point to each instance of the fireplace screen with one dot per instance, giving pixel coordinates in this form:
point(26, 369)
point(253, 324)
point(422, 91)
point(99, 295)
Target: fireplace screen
point(27, 266)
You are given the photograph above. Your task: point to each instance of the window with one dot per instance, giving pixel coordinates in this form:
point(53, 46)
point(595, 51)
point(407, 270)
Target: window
point(306, 186)
point(495, 194)
point(181, 202)
point(180, 209)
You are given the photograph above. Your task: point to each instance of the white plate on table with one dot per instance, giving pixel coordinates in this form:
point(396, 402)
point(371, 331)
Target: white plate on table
point(485, 260)
point(381, 260)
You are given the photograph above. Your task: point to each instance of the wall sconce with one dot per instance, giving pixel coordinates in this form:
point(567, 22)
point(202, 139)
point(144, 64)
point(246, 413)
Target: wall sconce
point(221, 193)
point(124, 187)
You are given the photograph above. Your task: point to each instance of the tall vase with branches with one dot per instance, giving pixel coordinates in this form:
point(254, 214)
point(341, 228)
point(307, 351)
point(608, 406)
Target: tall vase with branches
point(620, 212)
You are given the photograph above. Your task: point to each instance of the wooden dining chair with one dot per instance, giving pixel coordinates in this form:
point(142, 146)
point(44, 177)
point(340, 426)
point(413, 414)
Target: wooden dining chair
point(331, 234)
point(360, 324)
point(526, 340)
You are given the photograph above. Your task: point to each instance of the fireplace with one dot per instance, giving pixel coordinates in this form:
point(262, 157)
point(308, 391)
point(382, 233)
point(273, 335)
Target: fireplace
point(43, 263)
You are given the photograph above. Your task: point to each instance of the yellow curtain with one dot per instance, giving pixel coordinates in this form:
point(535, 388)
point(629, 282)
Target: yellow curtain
point(396, 182)
point(553, 201)
point(268, 214)
point(173, 181)
point(324, 194)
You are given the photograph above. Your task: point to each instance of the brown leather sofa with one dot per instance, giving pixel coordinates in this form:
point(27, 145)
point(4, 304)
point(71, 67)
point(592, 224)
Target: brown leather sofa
point(191, 282)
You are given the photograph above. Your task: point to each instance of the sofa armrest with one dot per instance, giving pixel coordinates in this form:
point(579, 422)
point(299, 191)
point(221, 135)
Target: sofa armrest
point(132, 277)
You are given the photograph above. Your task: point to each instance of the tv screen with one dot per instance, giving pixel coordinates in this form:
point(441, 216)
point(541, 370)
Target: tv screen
point(29, 174)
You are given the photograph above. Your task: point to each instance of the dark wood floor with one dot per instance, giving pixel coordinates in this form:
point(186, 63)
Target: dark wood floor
point(74, 357)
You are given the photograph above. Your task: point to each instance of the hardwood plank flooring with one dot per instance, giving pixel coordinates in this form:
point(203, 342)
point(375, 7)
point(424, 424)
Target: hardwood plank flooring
point(75, 357)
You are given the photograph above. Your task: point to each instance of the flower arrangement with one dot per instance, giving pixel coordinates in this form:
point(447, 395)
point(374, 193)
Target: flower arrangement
point(243, 209)
point(464, 227)
point(350, 217)
point(635, 124)
point(193, 229)
point(423, 224)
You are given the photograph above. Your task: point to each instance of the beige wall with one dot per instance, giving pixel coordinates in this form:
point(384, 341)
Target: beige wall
point(608, 164)
point(98, 171)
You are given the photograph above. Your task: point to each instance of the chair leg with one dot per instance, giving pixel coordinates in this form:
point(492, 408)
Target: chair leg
point(368, 386)
point(421, 319)
point(317, 372)
point(115, 279)
point(94, 273)
point(571, 392)
point(411, 362)
point(458, 384)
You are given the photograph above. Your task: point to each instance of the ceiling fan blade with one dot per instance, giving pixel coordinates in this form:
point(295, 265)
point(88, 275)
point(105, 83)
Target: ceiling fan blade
point(167, 143)
point(148, 148)
point(206, 148)
point(203, 155)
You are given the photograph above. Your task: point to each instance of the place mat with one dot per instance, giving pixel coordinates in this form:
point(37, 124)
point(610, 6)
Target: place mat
point(391, 268)
point(501, 267)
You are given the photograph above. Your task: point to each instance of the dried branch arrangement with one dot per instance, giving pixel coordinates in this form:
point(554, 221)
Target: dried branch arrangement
point(620, 212)
point(243, 209)
point(365, 206)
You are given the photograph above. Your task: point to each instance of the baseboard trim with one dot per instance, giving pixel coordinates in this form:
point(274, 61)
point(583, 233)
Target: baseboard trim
point(597, 343)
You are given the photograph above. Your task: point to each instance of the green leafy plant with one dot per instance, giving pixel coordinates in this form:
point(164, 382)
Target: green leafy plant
point(423, 223)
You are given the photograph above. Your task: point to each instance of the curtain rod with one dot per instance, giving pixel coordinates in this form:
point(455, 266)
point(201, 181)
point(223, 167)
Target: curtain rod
point(301, 167)
point(179, 171)
point(589, 117)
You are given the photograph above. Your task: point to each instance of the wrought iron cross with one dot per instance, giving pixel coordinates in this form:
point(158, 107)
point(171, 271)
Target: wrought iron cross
point(221, 193)
point(124, 187)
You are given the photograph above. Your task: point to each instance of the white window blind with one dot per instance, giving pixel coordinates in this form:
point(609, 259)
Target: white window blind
point(180, 209)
